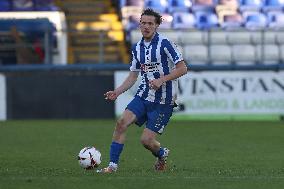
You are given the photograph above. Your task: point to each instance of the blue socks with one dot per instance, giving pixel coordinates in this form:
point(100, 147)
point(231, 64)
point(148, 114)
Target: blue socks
point(160, 153)
point(115, 151)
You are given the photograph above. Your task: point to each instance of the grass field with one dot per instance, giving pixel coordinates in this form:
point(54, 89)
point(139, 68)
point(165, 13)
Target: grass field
point(235, 155)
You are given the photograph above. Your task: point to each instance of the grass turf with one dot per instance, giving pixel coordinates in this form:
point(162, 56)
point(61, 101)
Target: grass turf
point(43, 154)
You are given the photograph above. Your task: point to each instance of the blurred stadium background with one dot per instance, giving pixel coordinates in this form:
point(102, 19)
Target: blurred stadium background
point(58, 58)
point(56, 54)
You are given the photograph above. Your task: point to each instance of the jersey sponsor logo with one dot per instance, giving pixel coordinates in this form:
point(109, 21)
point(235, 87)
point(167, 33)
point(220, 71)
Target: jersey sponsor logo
point(150, 67)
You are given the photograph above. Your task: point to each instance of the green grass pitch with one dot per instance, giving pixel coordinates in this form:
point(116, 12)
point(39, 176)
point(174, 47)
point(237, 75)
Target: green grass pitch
point(204, 154)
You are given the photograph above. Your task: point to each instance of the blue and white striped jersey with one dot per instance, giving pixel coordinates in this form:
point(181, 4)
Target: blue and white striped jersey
point(153, 61)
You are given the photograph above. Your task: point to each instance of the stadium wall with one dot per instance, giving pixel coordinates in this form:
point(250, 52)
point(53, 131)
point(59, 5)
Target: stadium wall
point(56, 95)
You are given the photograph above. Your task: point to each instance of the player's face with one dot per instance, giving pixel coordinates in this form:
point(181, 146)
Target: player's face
point(148, 26)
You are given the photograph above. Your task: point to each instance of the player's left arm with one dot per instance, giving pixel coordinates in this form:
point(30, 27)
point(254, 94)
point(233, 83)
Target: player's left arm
point(180, 70)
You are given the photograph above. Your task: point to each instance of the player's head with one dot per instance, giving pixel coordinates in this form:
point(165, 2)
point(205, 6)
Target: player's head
point(149, 22)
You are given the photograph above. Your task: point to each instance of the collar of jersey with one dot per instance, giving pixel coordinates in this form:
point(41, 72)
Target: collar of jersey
point(154, 40)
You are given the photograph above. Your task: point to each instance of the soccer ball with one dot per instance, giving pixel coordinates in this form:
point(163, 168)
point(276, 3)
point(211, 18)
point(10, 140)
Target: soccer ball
point(89, 158)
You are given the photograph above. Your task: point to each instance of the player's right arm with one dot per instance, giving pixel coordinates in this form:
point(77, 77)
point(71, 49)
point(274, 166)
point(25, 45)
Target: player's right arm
point(127, 84)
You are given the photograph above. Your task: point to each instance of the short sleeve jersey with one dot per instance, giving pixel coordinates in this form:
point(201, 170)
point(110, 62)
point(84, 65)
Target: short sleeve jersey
point(153, 61)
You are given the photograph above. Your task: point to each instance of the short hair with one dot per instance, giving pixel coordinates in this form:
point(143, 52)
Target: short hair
point(151, 12)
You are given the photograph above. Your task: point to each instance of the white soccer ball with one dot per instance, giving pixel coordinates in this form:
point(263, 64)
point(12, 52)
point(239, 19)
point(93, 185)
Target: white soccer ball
point(89, 158)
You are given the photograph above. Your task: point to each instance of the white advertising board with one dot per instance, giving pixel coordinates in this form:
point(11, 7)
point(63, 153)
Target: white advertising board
point(231, 93)
point(2, 98)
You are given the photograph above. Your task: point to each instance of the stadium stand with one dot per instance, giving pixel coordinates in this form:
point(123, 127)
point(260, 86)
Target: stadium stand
point(95, 32)
point(255, 21)
point(183, 20)
point(7, 51)
point(273, 5)
point(27, 5)
point(158, 5)
point(275, 20)
point(23, 5)
point(220, 54)
point(5, 5)
point(209, 32)
point(27, 40)
point(45, 5)
point(196, 53)
point(167, 21)
point(224, 32)
point(179, 6)
point(206, 20)
point(250, 5)
point(27, 46)
point(226, 8)
point(232, 21)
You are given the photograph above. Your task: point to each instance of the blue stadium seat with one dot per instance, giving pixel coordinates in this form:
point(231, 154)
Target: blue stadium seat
point(202, 8)
point(231, 26)
point(179, 5)
point(205, 21)
point(138, 3)
point(5, 5)
point(30, 5)
point(255, 21)
point(20, 5)
point(272, 5)
point(45, 5)
point(232, 22)
point(183, 20)
point(167, 21)
point(275, 20)
point(158, 5)
point(274, 2)
point(251, 5)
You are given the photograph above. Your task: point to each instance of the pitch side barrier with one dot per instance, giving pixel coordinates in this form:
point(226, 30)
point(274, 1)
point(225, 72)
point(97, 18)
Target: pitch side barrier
point(55, 92)
point(76, 91)
point(224, 93)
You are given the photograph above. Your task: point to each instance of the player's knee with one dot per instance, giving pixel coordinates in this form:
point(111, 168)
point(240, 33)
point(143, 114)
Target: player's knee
point(121, 125)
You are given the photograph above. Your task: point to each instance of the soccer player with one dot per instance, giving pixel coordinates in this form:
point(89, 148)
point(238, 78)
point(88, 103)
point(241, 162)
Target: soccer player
point(160, 64)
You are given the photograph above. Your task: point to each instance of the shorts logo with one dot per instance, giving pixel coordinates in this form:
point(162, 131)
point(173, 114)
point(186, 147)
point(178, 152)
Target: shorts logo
point(162, 129)
point(159, 124)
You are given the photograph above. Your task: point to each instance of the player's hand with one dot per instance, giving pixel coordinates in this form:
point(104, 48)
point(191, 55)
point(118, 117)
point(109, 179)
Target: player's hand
point(156, 83)
point(111, 95)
